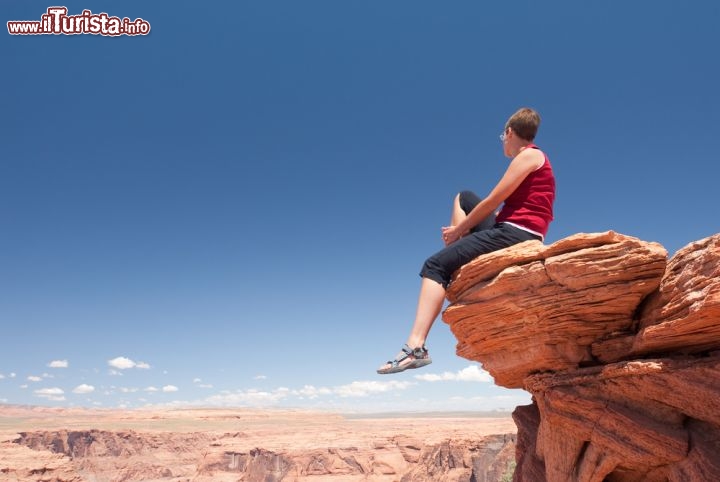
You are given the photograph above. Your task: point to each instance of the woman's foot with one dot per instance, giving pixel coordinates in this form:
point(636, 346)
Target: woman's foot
point(407, 358)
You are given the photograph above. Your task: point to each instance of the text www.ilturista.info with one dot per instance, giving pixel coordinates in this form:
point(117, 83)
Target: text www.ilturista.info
point(57, 22)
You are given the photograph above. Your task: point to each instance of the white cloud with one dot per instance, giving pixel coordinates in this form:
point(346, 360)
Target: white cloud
point(259, 377)
point(84, 388)
point(2, 376)
point(472, 373)
point(33, 378)
point(128, 390)
point(53, 394)
point(12, 375)
point(115, 373)
point(23, 386)
point(123, 363)
point(170, 388)
point(365, 388)
point(58, 364)
point(311, 392)
point(198, 383)
point(255, 397)
point(151, 389)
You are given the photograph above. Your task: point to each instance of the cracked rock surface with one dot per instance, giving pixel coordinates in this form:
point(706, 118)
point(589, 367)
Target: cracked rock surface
point(619, 347)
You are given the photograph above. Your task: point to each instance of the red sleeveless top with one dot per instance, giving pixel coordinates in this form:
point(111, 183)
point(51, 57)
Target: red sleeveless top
point(530, 206)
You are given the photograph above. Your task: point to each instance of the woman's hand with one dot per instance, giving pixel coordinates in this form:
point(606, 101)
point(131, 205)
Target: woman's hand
point(450, 234)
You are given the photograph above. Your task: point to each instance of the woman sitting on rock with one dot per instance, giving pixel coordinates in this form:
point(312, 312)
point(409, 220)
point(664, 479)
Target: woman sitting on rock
point(527, 190)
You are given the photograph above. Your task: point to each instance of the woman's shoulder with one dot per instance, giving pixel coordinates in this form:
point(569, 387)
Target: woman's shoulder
point(534, 156)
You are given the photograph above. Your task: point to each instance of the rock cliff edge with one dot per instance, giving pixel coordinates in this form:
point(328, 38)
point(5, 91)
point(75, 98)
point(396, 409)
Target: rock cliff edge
point(619, 347)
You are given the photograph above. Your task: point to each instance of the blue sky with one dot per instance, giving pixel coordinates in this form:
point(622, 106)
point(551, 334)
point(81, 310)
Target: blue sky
point(233, 209)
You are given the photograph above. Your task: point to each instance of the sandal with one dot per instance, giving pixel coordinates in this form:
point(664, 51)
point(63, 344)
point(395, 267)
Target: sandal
point(420, 358)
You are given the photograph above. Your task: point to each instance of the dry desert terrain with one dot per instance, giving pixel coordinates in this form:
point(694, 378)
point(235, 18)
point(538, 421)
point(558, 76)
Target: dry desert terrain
point(46, 444)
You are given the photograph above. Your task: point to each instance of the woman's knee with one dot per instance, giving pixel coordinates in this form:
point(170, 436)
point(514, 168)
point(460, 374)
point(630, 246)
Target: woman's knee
point(467, 200)
point(456, 201)
point(434, 269)
point(463, 197)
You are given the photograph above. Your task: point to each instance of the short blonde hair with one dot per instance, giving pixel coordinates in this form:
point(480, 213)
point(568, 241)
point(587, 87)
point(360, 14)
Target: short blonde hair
point(524, 123)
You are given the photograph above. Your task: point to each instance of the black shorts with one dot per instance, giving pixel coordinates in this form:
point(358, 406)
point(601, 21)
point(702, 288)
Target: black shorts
point(484, 238)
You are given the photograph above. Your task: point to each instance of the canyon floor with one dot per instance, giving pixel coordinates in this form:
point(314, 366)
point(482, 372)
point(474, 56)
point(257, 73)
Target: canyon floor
point(47, 444)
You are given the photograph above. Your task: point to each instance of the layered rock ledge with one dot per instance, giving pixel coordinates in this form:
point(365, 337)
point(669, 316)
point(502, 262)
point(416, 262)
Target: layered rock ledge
point(619, 348)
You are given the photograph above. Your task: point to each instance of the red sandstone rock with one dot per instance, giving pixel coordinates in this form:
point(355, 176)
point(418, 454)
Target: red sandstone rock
point(680, 317)
point(532, 308)
point(630, 421)
point(577, 324)
point(18, 463)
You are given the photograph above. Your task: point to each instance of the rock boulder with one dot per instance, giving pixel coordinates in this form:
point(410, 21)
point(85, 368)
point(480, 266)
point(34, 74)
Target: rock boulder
point(619, 348)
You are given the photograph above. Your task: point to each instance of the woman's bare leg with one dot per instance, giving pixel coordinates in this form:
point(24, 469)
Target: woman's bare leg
point(432, 294)
point(430, 303)
point(431, 299)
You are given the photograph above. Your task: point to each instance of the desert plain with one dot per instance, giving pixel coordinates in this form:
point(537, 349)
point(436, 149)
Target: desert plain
point(199, 444)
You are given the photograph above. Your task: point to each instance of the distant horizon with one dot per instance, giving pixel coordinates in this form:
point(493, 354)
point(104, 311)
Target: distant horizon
point(358, 414)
